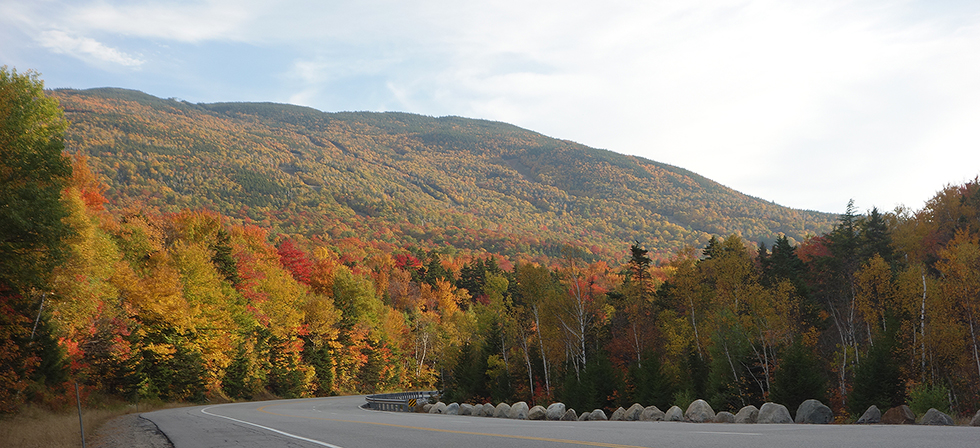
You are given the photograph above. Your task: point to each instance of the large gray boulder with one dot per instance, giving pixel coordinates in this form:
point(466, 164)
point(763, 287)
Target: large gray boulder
point(774, 413)
point(427, 407)
point(438, 408)
point(748, 414)
point(815, 412)
point(652, 414)
point(898, 415)
point(674, 414)
point(466, 409)
point(569, 416)
point(633, 413)
point(584, 417)
point(699, 411)
point(537, 413)
point(976, 420)
point(488, 410)
point(872, 415)
point(936, 417)
point(724, 417)
point(597, 414)
point(618, 415)
point(518, 411)
point(452, 409)
point(555, 411)
point(502, 411)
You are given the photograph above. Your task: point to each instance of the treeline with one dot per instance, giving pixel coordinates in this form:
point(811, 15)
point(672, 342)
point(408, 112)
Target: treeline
point(190, 305)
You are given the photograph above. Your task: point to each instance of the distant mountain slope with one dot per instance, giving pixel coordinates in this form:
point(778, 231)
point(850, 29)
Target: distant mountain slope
point(405, 179)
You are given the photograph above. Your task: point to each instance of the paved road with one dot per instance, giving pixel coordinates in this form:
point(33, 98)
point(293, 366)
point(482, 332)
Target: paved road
point(340, 422)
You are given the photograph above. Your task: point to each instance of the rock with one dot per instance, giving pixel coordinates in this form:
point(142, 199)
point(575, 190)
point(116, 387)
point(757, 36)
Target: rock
point(872, 415)
point(898, 415)
point(936, 417)
point(537, 413)
point(633, 413)
point(813, 411)
point(618, 415)
point(466, 409)
point(674, 414)
point(699, 412)
point(652, 414)
point(569, 416)
point(748, 414)
point(452, 409)
point(976, 420)
point(488, 410)
point(597, 415)
point(556, 411)
point(501, 411)
point(518, 411)
point(427, 407)
point(724, 417)
point(584, 417)
point(438, 408)
point(774, 413)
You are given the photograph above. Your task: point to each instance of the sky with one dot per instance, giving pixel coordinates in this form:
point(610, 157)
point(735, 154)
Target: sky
point(806, 104)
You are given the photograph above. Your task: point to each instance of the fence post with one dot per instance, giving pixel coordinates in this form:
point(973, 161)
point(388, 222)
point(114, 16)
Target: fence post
point(78, 402)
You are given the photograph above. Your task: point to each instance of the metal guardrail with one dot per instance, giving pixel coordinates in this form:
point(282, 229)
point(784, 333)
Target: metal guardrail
point(400, 402)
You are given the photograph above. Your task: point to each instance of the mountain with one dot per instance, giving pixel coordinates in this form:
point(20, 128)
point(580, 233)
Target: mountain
point(405, 180)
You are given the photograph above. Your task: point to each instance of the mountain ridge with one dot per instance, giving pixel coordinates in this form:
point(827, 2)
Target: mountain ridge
point(405, 179)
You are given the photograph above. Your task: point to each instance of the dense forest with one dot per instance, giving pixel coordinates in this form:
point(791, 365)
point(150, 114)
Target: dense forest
point(163, 292)
point(404, 180)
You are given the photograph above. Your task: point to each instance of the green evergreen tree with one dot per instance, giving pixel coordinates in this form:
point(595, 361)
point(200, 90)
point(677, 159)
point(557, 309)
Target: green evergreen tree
point(798, 378)
point(877, 380)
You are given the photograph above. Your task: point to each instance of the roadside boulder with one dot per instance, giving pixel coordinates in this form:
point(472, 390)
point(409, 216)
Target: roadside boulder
point(438, 408)
point(898, 415)
point(618, 415)
point(452, 409)
point(466, 409)
point(518, 411)
point(976, 420)
point(633, 413)
point(537, 413)
point(774, 413)
point(936, 417)
point(652, 414)
point(569, 416)
point(872, 415)
point(501, 411)
point(488, 410)
point(814, 412)
point(748, 414)
point(556, 411)
point(584, 417)
point(597, 414)
point(699, 411)
point(427, 407)
point(724, 417)
point(674, 414)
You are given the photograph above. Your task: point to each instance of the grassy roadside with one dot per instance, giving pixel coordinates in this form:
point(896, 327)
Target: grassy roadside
point(39, 427)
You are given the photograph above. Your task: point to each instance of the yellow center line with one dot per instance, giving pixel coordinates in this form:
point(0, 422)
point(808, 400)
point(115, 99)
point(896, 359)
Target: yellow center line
point(452, 431)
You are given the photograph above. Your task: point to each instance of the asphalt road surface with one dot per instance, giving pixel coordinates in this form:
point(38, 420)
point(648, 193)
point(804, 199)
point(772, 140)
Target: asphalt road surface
point(340, 422)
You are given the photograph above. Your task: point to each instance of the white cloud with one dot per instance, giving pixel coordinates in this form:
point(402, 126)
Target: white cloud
point(85, 48)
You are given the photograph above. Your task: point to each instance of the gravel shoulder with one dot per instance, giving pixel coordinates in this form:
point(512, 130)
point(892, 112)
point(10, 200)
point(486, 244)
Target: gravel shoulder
point(129, 431)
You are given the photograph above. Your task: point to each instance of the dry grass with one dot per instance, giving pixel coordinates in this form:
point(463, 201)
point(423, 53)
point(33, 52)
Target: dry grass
point(39, 427)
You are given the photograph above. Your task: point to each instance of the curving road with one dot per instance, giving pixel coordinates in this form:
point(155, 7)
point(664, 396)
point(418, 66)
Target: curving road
point(340, 422)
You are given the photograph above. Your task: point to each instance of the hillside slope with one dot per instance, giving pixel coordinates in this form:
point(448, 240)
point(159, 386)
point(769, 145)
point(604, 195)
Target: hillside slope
point(403, 179)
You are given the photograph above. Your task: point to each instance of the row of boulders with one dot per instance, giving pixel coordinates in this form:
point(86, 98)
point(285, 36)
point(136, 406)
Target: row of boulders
point(810, 412)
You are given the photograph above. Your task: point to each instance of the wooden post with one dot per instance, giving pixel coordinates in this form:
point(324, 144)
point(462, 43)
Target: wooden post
point(81, 426)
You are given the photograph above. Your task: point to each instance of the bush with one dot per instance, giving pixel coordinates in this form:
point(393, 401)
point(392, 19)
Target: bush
point(922, 397)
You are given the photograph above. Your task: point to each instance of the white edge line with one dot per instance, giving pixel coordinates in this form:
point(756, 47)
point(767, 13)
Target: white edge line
point(205, 411)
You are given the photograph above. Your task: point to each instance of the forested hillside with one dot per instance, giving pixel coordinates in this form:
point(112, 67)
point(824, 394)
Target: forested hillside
point(405, 180)
point(178, 290)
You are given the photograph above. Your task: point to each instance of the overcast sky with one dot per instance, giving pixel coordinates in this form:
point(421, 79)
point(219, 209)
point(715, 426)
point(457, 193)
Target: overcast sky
point(805, 103)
